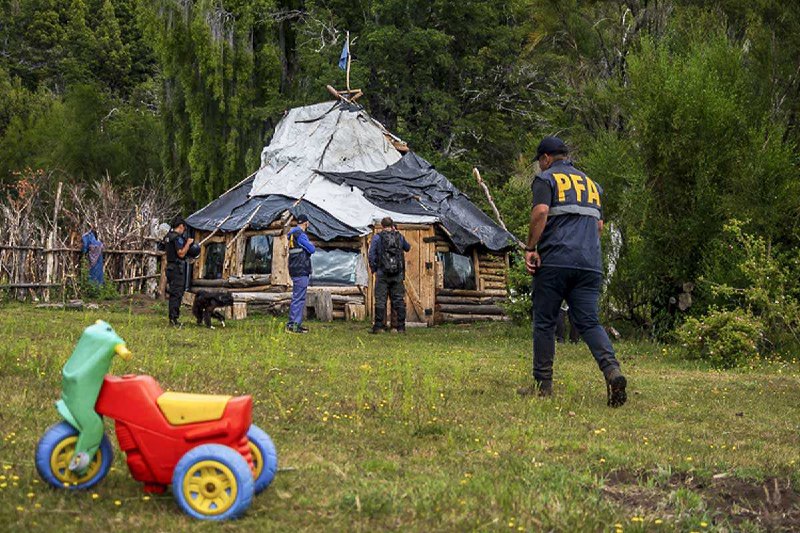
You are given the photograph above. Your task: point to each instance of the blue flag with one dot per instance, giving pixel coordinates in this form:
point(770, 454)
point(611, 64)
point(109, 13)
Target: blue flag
point(345, 54)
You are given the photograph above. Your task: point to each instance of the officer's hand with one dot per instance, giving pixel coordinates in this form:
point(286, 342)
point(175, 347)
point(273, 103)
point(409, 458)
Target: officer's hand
point(532, 262)
point(189, 240)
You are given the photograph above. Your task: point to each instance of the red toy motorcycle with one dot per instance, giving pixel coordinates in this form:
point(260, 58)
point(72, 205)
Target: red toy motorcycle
point(203, 445)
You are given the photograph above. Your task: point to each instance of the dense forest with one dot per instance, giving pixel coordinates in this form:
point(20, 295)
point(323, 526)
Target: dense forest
point(685, 111)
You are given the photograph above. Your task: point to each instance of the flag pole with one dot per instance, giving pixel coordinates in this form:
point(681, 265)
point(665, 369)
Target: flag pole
point(348, 61)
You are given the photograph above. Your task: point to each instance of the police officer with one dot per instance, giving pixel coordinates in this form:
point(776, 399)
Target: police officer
point(563, 254)
point(300, 250)
point(177, 248)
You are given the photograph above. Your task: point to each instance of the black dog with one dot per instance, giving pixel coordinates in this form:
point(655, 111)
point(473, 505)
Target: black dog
point(206, 304)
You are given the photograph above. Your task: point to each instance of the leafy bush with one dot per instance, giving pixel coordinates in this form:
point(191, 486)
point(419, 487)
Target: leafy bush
point(754, 294)
point(726, 339)
point(743, 270)
point(90, 290)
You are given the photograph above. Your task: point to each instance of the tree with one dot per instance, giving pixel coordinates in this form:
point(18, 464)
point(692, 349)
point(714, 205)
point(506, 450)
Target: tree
point(113, 61)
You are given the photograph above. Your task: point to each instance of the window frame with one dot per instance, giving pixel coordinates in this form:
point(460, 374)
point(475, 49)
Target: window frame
point(472, 261)
point(204, 264)
point(331, 247)
point(272, 239)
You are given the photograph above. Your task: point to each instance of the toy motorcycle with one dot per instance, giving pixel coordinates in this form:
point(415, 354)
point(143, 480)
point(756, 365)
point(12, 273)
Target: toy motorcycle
point(203, 445)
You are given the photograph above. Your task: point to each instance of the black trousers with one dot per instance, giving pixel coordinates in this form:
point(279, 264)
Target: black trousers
point(391, 286)
point(176, 286)
point(581, 290)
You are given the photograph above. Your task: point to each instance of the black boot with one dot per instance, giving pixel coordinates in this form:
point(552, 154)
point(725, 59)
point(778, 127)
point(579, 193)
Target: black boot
point(615, 388)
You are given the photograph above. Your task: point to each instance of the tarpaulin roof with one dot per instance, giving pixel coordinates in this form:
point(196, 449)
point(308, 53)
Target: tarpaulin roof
point(336, 164)
point(413, 186)
point(232, 210)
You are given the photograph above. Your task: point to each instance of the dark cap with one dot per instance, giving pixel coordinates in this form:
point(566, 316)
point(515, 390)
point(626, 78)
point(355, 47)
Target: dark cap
point(551, 146)
point(302, 217)
point(387, 222)
point(177, 221)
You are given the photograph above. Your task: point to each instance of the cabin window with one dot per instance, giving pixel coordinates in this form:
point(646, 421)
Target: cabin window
point(459, 271)
point(334, 266)
point(215, 257)
point(258, 255)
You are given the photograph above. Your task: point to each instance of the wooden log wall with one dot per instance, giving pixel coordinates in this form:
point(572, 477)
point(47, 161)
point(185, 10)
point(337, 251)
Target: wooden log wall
point(492, 270)
point(271, 294)
point(276, 301)
point(464, 306)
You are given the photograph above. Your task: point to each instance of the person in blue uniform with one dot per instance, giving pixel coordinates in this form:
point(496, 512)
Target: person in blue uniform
point(177, 246)
point(300, 250)
point(563, 255)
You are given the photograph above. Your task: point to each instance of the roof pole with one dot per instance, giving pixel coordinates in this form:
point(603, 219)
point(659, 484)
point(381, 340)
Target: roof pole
point(349, 55)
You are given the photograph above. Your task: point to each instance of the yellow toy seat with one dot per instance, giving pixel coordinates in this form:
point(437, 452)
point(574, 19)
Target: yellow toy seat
point(182, 408)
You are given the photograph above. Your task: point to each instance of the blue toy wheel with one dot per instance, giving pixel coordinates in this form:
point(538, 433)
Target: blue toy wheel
point(54, 452)
point(265, 457)
point(213, 482)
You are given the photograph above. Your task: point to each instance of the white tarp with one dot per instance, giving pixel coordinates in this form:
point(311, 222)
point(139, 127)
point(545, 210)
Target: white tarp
point(329, 137)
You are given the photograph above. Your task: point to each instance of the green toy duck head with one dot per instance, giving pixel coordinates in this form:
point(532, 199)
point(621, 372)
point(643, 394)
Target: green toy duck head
point(82, 379)
point(95, 350)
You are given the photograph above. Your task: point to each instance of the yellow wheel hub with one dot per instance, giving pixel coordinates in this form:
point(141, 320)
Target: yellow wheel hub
point(209, 487)
point(258, 460)
point(62, 455)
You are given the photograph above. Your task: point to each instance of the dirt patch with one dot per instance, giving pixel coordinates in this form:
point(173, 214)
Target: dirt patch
point(773, 504)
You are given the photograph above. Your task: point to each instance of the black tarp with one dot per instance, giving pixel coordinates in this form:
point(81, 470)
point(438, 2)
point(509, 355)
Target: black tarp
point(235, 208)
point(412, 186)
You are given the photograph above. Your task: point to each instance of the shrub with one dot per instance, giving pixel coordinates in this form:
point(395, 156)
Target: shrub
point(744, 271)
point(92, 291)
point(726, 339)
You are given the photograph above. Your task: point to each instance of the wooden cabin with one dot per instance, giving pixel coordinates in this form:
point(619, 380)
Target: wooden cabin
point(342, 169)
point(442, 285)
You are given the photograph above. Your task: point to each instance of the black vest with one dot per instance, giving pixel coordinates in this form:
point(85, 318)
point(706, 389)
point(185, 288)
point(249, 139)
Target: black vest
point(299, 258)
point(570, 238)
point(172, 247)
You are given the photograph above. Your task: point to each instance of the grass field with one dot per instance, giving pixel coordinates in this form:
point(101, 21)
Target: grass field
point(424, 432)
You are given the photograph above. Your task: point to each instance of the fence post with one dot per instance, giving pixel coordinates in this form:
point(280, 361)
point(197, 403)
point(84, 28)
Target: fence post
point(50, 260)
point(151, 285)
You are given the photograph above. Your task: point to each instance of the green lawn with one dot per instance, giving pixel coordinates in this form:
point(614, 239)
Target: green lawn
point(424, 431)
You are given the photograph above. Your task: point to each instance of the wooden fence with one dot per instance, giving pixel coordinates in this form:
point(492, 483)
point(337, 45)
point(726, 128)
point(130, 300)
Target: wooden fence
point(32, 271)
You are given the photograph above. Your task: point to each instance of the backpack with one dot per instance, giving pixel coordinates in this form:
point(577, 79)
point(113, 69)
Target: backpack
point(391, 260)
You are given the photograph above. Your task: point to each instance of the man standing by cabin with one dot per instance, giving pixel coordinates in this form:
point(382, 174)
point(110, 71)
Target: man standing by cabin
point(177, 246)
point(300, 250)
point(387, 261)
point(563, 254)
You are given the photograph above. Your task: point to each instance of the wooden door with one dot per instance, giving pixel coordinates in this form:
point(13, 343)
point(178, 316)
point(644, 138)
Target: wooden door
point(420, 273)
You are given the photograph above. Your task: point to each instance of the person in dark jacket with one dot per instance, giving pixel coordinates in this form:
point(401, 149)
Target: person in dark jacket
point(387, 261)
point(177, 248)
point(563, 254)
point(300, 250)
